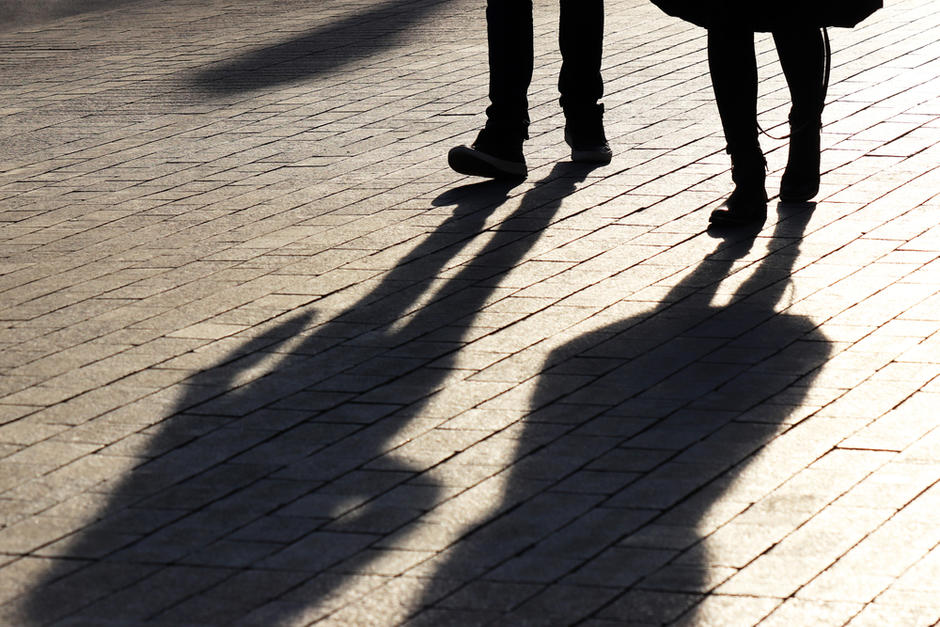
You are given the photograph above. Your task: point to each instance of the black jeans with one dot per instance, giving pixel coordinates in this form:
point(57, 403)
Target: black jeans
point(733, 67)
point(509, 34)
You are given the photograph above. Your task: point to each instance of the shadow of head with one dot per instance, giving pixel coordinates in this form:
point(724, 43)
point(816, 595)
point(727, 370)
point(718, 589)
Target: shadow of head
point(273, 465)
point(17, 13)
point(347, 40)
point(637, 434)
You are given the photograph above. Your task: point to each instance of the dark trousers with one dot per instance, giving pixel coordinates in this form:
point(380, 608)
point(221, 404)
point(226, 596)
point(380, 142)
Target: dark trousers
point(733, 67)
point(509, 34)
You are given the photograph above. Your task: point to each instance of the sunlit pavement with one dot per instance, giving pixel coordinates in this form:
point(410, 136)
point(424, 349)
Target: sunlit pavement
point(267, 361)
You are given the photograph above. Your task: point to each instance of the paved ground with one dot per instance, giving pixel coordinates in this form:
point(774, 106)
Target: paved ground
point(267, 361)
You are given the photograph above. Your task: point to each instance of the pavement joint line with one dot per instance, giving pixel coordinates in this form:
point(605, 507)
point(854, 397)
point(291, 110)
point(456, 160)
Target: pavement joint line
point(264, 359)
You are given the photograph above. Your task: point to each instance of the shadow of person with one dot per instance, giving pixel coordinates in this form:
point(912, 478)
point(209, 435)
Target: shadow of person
point(321, 50)
point(281, 465)
point(18, 13)
point(670, 408)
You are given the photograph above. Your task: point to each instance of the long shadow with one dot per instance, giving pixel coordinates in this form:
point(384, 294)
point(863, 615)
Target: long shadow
point(671, 406)
point(272, 468)
point(321, 50)
point(17, 13)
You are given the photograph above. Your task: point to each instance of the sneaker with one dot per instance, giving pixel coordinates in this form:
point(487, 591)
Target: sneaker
point(493, 155)
point(585, 135)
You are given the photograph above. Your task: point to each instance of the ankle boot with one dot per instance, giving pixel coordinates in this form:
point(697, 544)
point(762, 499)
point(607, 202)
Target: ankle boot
point(800, 180)
point(747, 204)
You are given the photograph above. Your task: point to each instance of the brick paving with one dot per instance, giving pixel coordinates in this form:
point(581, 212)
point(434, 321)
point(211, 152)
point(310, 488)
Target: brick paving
point(267, 361)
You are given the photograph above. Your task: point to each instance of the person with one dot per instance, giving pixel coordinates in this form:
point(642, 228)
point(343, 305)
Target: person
point(733, 67)
point(497, 151)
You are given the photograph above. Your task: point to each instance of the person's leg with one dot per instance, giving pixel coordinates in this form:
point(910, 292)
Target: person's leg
point(497, 150)
point(509, 37)
point(733, 67)
point(581, 41)
point(802, 56)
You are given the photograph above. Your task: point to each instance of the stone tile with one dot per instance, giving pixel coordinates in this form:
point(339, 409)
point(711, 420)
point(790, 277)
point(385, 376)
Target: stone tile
point(715, 609)
point(802, 612)
point(253, 323)
point(558, 604)
point(491, 596)
point(877, 614)
point(649, 607)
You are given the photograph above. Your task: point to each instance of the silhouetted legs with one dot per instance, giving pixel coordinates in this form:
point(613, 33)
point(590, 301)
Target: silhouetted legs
point(802, 55)
point(497, 152)
point(509, 37)
point(733, 66)
point(581, 39)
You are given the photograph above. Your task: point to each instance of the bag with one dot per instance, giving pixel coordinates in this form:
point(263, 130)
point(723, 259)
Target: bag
point(767, 16)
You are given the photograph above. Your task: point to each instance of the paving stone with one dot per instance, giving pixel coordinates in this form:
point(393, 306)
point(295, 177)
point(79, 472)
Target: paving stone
point(649, 607)
point(715, 609)
point(486, 595)
point(798, 611)
point(265, 359)
point(558, 604)
point(875, 613)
